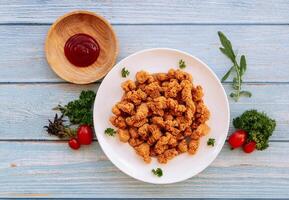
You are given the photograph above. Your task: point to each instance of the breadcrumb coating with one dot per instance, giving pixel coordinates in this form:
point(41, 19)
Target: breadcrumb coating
point(161, 115)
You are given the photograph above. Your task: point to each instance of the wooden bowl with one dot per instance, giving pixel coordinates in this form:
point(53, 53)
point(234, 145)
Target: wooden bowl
point(81, 22)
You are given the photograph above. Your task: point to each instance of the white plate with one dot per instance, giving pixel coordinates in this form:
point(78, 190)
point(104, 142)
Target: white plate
point(183, 166)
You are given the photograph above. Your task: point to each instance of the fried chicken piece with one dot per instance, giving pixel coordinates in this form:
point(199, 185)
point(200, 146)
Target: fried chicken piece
point(128, 85)
point(135, 142)
point(188, 132)
point(181, 75)
point(115, 110)
point(123, 135)
point(144, 151)
point(154, 109)
point(161, 144)
point(153, 89)
point(172, 88)
point(143, 131)
point(167, 155)
point(155, 131)
point(141, 112)
point(133, 132)
point(202, 113)
point(140, 123)
point(131, 121)
point(183, 146)
point(168, 116)
point(118, 121)
point(135, 96)
point(142, 76)
point(126, 107)
point(202, 130)
point(161, 77)
point(197, 93)
point(175, 106)
point(193, 146)
point(173, 142)
point(158, 121)
point(171, 73)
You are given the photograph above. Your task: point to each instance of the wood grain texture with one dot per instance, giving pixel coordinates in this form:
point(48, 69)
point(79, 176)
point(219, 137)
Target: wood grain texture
point(264, 46)
point(53, 170)
point(25, 108)
point(150, 11)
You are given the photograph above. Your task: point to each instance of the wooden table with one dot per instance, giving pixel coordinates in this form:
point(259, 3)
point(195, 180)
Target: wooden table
point(33, 164)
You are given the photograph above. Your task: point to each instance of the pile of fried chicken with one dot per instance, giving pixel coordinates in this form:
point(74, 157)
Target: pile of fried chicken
point(161, 115)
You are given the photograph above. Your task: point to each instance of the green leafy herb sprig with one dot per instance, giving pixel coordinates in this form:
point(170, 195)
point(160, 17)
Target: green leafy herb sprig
point(158, 172)
point(239, 69)
point(124, 72)
point(258, 126)
point(182, 64)
point(211, 142)
point(110, 131)
point(79, 111)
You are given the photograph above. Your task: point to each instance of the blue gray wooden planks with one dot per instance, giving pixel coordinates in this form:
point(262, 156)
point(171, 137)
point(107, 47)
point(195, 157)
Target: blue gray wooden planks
point(33, 164)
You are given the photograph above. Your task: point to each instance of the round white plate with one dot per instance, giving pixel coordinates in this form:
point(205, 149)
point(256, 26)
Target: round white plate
point(183, 166)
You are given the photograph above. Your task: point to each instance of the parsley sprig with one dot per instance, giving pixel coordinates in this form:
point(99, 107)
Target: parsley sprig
point(182, 64)
point(239, 69)
point(79, 111)
point(124, 72)
point(158, 172)
point(211, 142)
point(110, 131)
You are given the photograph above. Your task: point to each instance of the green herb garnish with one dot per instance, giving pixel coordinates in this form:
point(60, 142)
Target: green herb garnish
point(258, 126)
point(239, 69)
point(182, 64)
point(110, 131)
point(57, 128)
point(79, 111)
point(211, 142)
point(124, 72)
point(158, 172)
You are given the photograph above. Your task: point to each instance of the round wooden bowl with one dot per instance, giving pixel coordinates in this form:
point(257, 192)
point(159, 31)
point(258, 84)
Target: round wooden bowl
point(81, 22)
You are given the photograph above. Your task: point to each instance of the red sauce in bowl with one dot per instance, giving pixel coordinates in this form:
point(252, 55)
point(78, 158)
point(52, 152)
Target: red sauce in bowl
point(81, 50)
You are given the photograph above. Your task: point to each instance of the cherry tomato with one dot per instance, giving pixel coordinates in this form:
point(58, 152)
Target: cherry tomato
point(73, 143)
point(84, 134)
point(249, 147)
point(237, 139)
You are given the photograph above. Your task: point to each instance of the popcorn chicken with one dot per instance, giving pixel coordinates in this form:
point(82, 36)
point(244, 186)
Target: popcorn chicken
point(115, 110)
point(193, 146)
point(181, 75)
point(144, 151)
point(197, 93)
point(118, 121)
point(125, 107)
point(128, 85)
point(135, 96)
point(142, 76)
point(123, 135)
point(135, 142)
point(183, 146)
point(161, 115)
point(133, 132)
point(153, 89)
point(172, 89)
point(202, 130)
point(143, 131)
point(167, 155)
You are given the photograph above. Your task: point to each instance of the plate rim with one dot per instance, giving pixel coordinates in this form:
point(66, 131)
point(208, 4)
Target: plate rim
point(226, 104)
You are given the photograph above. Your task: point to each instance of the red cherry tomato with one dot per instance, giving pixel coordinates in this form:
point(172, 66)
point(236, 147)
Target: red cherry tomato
point(249, 147)
point(73, 143)
point(237, 139)
point(84, 134)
